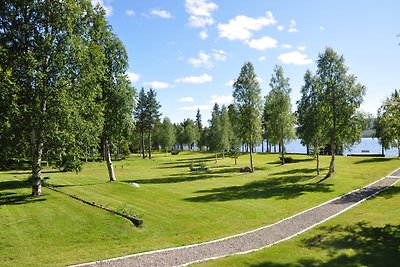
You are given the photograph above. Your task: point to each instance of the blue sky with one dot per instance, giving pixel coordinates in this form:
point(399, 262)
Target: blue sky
point(190, 51)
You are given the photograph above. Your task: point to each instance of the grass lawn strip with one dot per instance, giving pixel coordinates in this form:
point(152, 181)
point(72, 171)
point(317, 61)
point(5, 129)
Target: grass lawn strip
point(256, 239)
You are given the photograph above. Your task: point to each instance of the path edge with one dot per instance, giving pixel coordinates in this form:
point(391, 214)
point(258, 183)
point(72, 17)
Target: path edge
point(254, 230)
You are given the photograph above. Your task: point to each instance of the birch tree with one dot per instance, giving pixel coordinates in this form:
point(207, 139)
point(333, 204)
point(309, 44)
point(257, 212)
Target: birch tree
point(341, 96)
point(247, 99)
point(280, 119)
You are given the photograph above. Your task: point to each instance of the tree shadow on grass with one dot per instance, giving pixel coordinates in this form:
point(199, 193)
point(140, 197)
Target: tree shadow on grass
point(373, 160)
point(192, 176)
point(370, 246)
point(9, 197)
point(297, 171)
point(279, 187)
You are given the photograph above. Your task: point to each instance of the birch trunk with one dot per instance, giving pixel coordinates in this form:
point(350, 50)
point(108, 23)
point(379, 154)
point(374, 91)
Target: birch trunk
point(110, 166)
point(251, 159)
point(37, 150)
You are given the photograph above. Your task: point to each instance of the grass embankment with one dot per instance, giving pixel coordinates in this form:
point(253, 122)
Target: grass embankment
point(178, 207)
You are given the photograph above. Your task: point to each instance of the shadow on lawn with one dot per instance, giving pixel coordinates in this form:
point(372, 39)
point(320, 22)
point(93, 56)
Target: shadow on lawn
point(371, 246)
point(279, 187)
point(12, 198)
point(373, 160)
point(189, 177)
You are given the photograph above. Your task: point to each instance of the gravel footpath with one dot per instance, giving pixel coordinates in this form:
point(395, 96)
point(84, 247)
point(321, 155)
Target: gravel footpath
point(256, 239)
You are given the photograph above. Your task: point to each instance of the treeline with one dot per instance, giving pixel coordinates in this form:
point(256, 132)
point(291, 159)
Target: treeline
point(327, 119)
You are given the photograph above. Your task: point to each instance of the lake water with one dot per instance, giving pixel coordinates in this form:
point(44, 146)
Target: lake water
point(370, 144)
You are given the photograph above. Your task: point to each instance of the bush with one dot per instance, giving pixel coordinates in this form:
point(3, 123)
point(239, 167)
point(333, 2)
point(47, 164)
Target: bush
point(174, 152)
point(69, 163)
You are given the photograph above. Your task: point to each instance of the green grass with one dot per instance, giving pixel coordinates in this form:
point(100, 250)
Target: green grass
point(367, 235)
point(179, 207)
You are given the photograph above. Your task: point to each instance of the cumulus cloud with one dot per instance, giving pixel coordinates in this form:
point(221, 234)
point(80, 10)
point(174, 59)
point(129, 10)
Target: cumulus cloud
point(286, 46)
point(280, 28)
point(107, 8)
point(262, 58)
point(230, 83)
point(130, 12)
point(188, 99)
point(161, 13)
point(201, 8)
point(207, 60)
point(221, 99)
point(302, 48)
point(156, 85)
point(292, 26)
point(242, 27)
point(321, 28)
point(295, 58)
point(133, 77)
point(200, 12)
point(203, 34)
point(195, 79)
point(263, 43)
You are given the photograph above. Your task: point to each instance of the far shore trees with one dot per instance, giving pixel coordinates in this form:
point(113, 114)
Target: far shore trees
point(280, 120)
point(247, 99)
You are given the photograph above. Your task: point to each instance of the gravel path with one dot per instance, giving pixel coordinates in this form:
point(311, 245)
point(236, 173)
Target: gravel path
point(256, 239)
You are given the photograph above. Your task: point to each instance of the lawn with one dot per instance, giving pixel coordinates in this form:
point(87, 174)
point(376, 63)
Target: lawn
point(179, 207)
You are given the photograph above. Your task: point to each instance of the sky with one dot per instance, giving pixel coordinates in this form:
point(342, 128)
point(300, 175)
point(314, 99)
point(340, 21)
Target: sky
point(191, 51)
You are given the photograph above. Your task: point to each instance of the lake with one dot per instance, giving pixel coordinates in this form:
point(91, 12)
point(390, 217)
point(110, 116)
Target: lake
point(370, 144)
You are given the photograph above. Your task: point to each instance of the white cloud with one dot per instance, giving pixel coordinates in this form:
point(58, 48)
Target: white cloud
point(286, 46)
point(196, 107)
point(242, 27)
point(203, 34)
point(199, 22)
point(133, 77)
point(207, 60)
point(263, 43)
point(130, 12)
point(280, 28)
point(107, 8)
point(219, 55)
point(262, 58)
point(200, 13)
point(221, 99)
point(201, 8)
point(295, 58)
point(156, 85)
point(202, 61)
point(302, 48)
point(292, 26)
point(195, 79)
point(260, 80)
point(161, 13)
point(321, 28)
point(188, 99)
point(230, 83)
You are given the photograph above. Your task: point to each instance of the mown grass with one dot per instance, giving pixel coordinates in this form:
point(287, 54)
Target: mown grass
point(367, 235)
point(178, 206)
